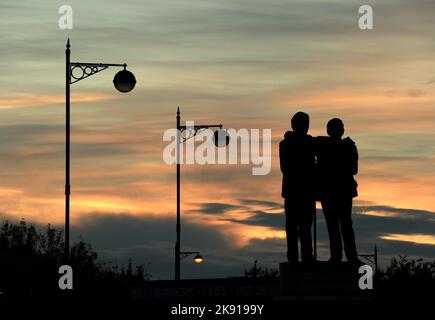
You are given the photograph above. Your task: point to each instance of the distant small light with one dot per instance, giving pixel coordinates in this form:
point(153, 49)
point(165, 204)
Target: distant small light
point(198, 259)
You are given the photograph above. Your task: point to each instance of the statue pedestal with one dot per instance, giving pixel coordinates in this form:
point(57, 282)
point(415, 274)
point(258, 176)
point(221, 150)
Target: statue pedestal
point(320, 281)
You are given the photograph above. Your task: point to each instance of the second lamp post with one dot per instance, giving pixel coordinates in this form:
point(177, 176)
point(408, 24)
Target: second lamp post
point(194, 130)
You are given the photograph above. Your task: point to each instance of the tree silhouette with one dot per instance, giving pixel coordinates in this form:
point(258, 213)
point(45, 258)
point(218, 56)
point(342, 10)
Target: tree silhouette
point(30, 260)
point(258, 272)
point(408, 279)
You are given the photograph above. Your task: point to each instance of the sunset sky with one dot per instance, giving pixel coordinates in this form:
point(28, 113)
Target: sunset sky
point(243, 63)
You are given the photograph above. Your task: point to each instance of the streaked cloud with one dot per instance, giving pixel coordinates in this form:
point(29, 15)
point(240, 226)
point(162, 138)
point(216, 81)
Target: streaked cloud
point(414, 238)
point(29, 100)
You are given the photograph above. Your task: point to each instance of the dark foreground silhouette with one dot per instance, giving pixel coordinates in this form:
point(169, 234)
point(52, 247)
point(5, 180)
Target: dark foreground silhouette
point(29, 263)
point(28, 273)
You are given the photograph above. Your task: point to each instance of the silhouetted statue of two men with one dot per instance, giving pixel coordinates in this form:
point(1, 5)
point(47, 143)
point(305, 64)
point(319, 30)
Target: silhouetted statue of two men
point(321, 168)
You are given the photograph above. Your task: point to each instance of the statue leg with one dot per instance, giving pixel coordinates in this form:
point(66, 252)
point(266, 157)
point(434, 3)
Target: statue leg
point(291, 228)
point(331, 217)
point(345, 212)
point(306, 221)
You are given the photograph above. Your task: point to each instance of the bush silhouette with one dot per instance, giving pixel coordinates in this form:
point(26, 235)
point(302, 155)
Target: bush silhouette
point(406, 278)
point(30, 262)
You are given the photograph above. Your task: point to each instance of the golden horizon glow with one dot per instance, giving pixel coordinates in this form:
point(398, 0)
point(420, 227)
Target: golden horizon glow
point(413, 238)
point(33, 100)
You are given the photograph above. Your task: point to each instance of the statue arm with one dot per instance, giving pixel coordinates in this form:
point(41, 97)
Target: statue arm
point(354, 160)
point(282, 157)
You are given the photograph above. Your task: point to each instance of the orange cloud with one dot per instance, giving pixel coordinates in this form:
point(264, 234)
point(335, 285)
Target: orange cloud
point(346, 98)
point(413, 238)
point(29, 100)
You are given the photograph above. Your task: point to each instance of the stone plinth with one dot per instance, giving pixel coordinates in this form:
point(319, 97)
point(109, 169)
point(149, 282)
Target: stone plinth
point(320, 281)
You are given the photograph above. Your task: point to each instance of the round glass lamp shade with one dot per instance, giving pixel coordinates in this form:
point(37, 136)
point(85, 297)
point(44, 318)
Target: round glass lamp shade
point(124, 81)
point(198, 259)
point(221, 138)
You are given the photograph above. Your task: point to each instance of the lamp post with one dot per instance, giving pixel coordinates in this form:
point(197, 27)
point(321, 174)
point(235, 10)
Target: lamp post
point(315, 234)
point(124, 81)
point(193, 132)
